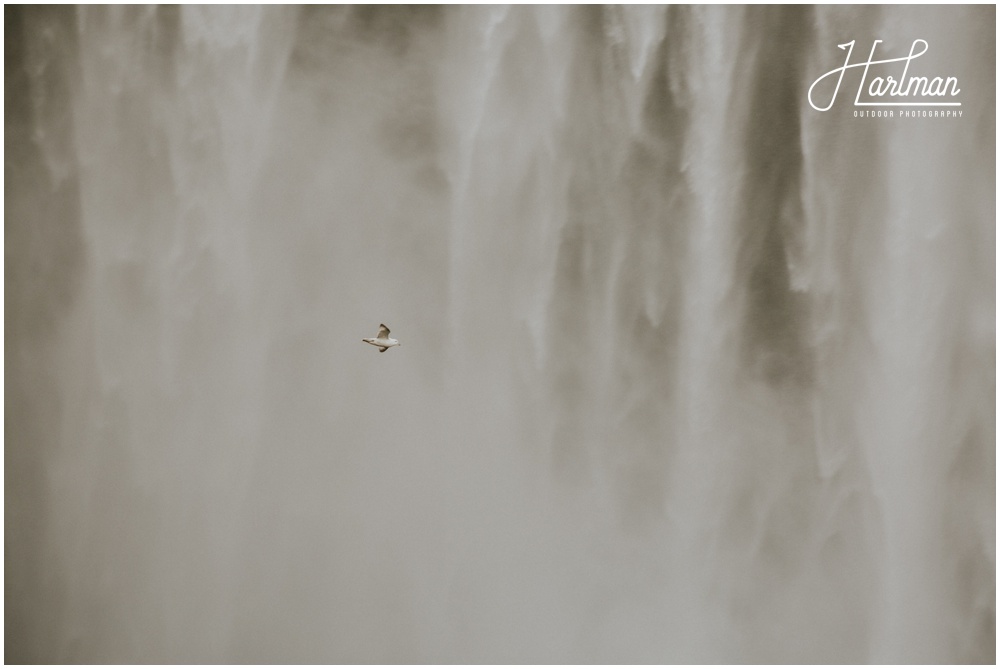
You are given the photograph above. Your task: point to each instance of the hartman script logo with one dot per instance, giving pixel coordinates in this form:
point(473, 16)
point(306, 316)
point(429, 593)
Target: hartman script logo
point(886, 90)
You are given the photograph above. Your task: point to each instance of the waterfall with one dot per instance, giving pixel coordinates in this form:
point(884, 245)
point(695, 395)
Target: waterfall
point(691, 372)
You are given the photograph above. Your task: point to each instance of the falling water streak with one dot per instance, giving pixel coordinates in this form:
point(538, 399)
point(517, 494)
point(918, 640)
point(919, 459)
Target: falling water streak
point(713, 172)
point(482, 39)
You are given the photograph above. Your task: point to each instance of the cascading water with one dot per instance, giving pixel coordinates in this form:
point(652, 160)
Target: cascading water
point(691, 372)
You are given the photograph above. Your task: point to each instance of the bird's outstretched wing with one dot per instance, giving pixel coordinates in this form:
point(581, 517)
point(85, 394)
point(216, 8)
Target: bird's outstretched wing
point(383, 331)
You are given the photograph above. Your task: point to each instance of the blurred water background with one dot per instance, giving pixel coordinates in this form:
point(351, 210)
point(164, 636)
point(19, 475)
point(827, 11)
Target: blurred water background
point(691, 372)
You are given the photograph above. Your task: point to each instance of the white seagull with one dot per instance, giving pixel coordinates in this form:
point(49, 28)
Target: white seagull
point(382, 339)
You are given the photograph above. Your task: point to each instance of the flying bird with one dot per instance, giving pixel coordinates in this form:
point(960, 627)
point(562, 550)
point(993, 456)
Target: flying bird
point(382, 339)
